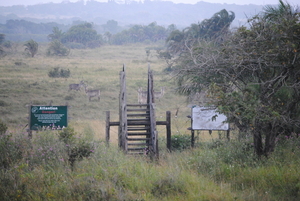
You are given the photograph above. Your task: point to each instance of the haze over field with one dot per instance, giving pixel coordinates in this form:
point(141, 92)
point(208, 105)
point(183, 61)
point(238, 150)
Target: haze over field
point(238, 2)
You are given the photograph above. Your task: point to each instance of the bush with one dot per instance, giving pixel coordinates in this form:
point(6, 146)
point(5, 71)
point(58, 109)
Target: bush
point(67, 135)
point(3, 128)
point(7, 44)
point(76, 149)
point(56, 48)
point(180, 142)
point(10, 151)
point(59, 73)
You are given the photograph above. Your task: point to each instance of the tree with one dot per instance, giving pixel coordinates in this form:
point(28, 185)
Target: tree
point(111, 26)
point(215, 27)
point(31, 46)
point(252, 75)
point(2, 38)
point(56, 48)
point(83, 34)
point(57, 34)
point(140, 33)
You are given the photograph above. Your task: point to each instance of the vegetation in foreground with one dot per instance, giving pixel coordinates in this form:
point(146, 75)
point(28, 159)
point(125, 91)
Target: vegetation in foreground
point(40, 169)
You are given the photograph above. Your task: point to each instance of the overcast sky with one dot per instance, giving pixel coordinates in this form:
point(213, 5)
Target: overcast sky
point(240, 2)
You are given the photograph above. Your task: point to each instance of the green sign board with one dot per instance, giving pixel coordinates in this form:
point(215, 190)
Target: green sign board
point(48, 117)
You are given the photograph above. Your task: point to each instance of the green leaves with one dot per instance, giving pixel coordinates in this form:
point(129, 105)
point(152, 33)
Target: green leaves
point(251, 75)
point(31, 46)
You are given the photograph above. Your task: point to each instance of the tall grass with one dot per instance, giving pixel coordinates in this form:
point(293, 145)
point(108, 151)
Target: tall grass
point(39, 169)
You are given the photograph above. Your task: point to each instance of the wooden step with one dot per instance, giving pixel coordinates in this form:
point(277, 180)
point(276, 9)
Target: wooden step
point(137, 133)
point(137, 128)
point(137, 105)
point(138, 110)
point(137, 144)
point(137, 149)
point(138, 115)
point(136, 153)
point(138, 123)
point(143, 119)
point(138, 139)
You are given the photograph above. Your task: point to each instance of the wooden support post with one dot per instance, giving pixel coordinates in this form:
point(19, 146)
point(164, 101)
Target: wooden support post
point(193, 138)
point(228, 134)
point(168, 129)
point(107, 135)
point(29, 122)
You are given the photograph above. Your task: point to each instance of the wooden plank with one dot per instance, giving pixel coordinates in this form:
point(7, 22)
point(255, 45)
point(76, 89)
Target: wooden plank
point(138, 144)
point(137, 115)
point(138, 110)
point(137, 139)
point(114, 123)
point(161, 123)
point(137, 149)
point(137, 105)
point(136, 119)
point(137, 133)
point(138, 123)
point(138, 129)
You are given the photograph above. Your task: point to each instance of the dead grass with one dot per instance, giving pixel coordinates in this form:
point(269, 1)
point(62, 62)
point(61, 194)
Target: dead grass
point(25, 81)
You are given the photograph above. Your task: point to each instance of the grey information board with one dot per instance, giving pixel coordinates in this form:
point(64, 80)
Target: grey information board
point(202, 119)
point(48, 117)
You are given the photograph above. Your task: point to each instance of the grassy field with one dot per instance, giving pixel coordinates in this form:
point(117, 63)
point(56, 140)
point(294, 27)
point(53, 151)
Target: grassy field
point(39, 168)
point(25, 81)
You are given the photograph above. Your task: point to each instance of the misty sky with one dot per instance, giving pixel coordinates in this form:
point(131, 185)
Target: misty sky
point(240, 2)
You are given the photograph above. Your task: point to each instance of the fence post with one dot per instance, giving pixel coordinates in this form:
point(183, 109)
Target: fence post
point(107, 135)
point(193, 138)
point(168, 129)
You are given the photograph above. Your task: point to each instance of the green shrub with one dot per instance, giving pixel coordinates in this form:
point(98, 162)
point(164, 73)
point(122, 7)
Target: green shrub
point(7, 44)
point(76, 148)
point(3, 128)
point(78, 151)
point(56, 48)
point(57, 72)
point(65, 73)
point(67, 135)
point(10, 150)
point(180, 142)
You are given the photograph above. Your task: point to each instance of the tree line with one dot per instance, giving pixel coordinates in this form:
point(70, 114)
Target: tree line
point(251, 74)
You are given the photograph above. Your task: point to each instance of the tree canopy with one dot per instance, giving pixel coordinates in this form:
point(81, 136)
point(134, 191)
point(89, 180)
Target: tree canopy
point(32, 47)
point(252, 75)
point(81, 35)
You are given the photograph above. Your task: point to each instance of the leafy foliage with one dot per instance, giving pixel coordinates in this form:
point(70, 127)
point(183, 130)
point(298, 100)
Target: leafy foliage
point(214, 28)
point(252, 75)
point(57, 34)
point(140, 33)
point(83, 34)
point(10, 150)
point(56, 48)
point(3, 128)
point(180, 142)
point(76, 149)
point(57, 72)
point(31, 47)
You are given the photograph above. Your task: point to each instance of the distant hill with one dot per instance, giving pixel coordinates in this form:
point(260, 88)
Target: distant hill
point(162, 12)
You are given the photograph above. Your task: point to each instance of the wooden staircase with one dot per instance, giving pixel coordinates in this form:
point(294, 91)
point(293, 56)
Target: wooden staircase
point(137, 125)
point(138, 129)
